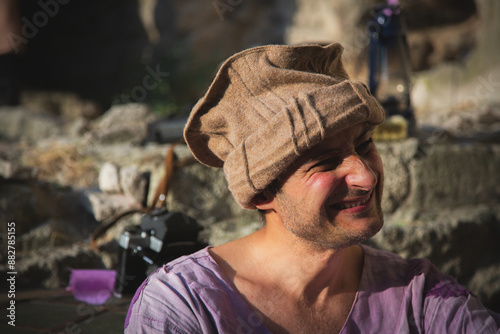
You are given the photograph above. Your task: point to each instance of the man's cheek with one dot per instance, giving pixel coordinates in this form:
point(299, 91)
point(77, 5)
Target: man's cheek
point(323, 183)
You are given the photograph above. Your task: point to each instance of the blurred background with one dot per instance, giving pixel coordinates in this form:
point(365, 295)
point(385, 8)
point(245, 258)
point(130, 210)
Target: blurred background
point(94, 93)
point(99, 50)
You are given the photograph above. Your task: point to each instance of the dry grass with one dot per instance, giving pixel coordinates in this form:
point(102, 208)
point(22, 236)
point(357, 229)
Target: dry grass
point(64, 164)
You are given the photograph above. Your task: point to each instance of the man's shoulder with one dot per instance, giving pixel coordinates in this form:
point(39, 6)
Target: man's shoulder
point(413, 295)
point(191, 262)
point(181, 275)
point(383, 262)
point(389, 269)
point(191, 294)
point(187, 272)
point(174, 295)
point(413, 279)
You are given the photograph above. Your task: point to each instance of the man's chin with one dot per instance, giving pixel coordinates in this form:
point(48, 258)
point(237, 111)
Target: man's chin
point(346, 237)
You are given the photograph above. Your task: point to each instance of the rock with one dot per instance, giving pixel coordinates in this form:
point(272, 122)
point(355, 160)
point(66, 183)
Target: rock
point(109, 179)
point(121, 123)
point(486, 285)
point(22, 124)
point(397, 181)
point(20, 204)
point(105, 206)
point(453, 175)
point(37, 238)
point(126, 180)
point(202, 193)
point(12, 170)
point(134, 183)
point(166, 131)
point(67, 105)
point(228, 230)
point(31, 204)
point(432, 46)
point(71, 214)
point(481, 124)
point(49, 267)
point(422, 175)
point(471, 80)
point(7, 169)
point(77, 127)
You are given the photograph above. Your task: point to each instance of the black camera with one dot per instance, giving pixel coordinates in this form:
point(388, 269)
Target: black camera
point(160, 237)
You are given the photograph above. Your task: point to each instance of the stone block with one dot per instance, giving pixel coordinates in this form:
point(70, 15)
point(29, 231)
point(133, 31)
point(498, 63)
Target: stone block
point(432, 177)
point(121, 123)
point(134, 184)
point(23, 124)
point(397, 186)
point(109, 178)
point(454, 175)
point(105, 206)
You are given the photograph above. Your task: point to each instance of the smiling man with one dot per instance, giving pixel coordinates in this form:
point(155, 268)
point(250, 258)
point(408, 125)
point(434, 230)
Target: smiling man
point(294, 136)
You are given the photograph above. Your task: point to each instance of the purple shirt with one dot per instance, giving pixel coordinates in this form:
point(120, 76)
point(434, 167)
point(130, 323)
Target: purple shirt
point(192, 295)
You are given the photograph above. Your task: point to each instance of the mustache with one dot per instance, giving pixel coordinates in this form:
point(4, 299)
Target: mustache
point(348, 192)
point(351, 193)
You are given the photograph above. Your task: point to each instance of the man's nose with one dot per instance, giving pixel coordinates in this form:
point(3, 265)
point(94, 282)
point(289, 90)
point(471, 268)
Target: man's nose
point(359, 174)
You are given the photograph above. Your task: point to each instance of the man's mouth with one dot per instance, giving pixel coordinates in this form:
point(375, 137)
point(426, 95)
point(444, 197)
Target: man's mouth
point(352, 204)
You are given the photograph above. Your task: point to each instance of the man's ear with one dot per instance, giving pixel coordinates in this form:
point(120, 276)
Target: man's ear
point(264, 200)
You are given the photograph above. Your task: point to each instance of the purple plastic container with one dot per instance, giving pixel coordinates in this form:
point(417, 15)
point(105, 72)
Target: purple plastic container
point(92, 286)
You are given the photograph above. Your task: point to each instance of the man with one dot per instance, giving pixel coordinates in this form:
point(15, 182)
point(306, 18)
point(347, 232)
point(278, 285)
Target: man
point(293, 135)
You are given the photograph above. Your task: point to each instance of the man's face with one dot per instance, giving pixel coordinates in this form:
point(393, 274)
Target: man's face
point(332, 197)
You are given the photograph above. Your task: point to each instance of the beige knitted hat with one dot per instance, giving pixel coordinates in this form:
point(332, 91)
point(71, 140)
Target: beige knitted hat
point(269, 104)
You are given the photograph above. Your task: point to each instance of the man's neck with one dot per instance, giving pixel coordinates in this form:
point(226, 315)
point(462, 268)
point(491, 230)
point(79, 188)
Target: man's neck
point(308, 271)
point(304, 272)
point(293, 285)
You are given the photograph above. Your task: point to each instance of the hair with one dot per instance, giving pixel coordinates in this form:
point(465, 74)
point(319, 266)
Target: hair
point(274, 188)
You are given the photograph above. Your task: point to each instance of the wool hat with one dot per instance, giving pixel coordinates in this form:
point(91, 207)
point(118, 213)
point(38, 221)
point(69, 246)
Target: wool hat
point(267, 105)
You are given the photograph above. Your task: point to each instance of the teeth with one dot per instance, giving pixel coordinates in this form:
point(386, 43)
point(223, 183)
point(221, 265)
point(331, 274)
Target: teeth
point(352, 205)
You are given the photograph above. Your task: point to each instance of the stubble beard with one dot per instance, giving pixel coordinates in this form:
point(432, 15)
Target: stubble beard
point(317, 229)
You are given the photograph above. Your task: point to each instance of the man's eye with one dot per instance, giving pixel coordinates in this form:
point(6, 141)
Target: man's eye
point(330, 163)
point(365, 146)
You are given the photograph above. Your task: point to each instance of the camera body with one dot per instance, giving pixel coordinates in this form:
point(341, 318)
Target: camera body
point(160, 237)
